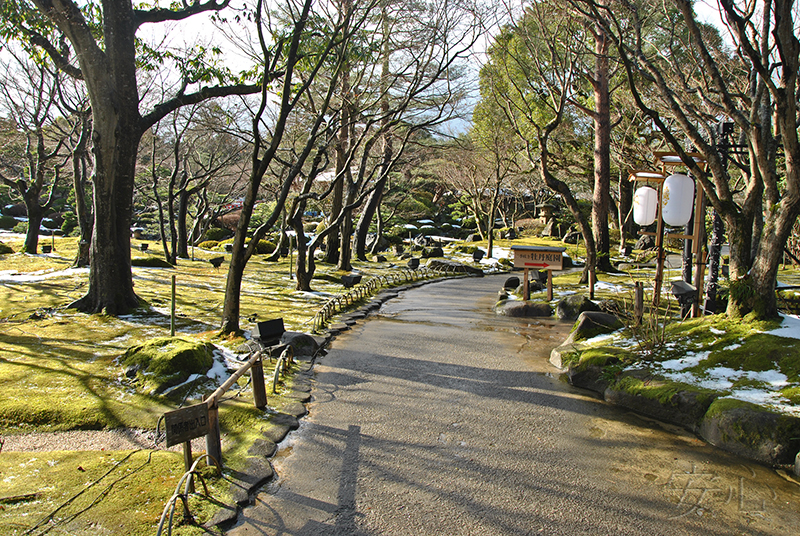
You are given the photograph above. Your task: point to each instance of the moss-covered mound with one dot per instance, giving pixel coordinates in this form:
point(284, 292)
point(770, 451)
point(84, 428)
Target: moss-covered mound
point(164, 362)
point(150, 262)
point(5, 249)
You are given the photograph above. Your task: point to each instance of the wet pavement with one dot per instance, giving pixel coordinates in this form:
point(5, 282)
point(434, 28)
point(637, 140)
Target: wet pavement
point(436, 416)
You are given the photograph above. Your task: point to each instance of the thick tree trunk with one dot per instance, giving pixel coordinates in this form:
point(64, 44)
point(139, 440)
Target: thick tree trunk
point(110, 278)
point(35, 218)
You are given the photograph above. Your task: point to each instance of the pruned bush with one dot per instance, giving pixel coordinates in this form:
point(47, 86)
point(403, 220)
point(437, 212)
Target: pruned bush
point(21, 227)
point(217, 234)
point(264, 247)
point(208, 244)
point(7, 222)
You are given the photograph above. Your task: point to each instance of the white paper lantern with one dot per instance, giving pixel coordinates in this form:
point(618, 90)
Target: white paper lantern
point(677, 200)
point(645, 205)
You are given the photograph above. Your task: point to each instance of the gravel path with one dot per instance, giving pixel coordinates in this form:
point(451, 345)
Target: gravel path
point(119, 439)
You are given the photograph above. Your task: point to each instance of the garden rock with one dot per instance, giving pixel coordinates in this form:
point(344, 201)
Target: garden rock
point(303, 344)
point(511, 283)
point(645, 243)
point(684, 408)
point(524, 309)
point(570, 307)
point(428, 253)
point(164, 362)
point(751, 431)
point(591, 324)
point(573, 237)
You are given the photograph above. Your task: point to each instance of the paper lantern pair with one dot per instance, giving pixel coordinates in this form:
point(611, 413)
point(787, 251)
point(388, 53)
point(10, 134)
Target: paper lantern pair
point(677, 201)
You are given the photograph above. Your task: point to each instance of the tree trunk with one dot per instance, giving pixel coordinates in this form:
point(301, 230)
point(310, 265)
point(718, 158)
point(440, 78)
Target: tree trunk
point(82, 212)
point(370, 209)
point(602, 159)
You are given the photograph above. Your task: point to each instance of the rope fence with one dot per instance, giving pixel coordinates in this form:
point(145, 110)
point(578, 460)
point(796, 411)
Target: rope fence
point(371, 286)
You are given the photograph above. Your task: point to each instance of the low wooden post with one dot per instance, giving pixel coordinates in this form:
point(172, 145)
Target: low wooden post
point(526, 287)
point(549, 285)
point(187, 463)
point(592, 281)
point(638, 302)
point(259, 389)
point(213, 438)
point(172, 315)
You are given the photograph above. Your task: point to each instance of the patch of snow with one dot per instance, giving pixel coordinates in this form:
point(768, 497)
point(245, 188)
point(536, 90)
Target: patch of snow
point(603, 285)
point(42, 275)
point(790, 327)
point(716, 331)
point(732, 346)
point(688, 361)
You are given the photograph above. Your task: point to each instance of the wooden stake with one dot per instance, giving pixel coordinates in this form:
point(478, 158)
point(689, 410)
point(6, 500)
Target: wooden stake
point(259, 389)
point(526, 288)
point(187, 462)
point(549, 285)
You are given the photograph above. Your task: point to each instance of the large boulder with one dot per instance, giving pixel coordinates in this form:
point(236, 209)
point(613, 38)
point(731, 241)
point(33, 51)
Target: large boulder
point(525, 309)
point(591, 324)
point(428, 253)
point(570, 307)
point(165, 362)
point(303, 344)
point(751, 431)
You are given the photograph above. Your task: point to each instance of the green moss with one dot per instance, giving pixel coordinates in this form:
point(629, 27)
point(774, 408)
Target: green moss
point(165, 361)
point(150, 262)
point(4, 249)
point(724, 405)
point(121, 492)
point(661, 390)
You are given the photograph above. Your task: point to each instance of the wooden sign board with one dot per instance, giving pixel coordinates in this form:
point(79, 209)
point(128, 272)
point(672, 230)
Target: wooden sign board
point(538, 258)
point(186, 424)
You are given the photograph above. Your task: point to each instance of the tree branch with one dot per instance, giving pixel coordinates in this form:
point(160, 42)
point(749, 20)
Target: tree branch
point(163, 15)
point(165, 108)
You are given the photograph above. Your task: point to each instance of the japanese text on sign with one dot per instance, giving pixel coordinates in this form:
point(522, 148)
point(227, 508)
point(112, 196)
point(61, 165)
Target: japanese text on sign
point(545, 259)
point(186, 423)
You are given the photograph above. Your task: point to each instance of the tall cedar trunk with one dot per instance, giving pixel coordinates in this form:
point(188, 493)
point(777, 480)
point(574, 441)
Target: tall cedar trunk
point(602, 159)
point(332, 242)
point(110, 78)
point(346, 233)
point(625, 189)
point(374, 201)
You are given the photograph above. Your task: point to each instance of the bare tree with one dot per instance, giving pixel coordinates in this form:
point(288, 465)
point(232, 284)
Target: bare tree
point(30, 96)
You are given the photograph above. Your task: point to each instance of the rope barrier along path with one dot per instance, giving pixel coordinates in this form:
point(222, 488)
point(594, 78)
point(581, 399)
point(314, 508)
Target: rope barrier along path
point(372, 286)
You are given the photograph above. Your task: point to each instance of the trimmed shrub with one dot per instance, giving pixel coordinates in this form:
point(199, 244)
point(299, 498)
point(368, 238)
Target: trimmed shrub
point(216, 234)
point(21, 227)
point(7, 222)
point(208, 244)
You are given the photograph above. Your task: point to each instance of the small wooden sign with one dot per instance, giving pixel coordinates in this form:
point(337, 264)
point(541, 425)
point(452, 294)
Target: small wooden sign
point(538, 258)
point(186, 424)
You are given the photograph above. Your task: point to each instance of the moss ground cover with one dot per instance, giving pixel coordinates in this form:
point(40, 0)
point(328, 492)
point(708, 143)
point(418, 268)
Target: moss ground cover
point(62, 370)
